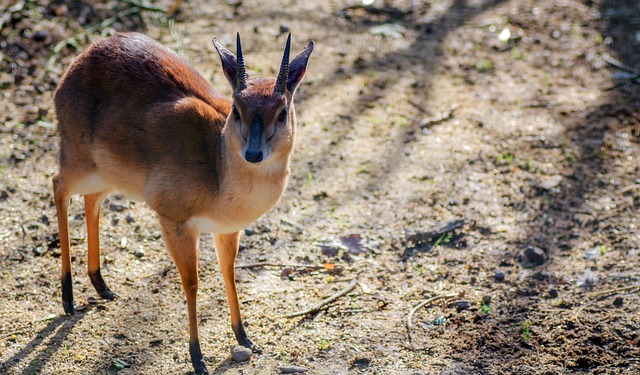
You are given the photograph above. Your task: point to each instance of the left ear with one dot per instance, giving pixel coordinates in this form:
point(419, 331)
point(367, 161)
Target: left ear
point(298, 67)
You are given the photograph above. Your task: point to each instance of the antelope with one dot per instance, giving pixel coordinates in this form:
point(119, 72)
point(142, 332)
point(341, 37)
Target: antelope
point(135, 117)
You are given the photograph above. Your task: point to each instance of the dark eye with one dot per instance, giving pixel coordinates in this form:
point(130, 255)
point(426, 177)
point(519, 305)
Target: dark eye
point(236, 114)
point(283, 115)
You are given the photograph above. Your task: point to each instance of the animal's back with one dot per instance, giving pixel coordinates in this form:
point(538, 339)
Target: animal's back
point(131, 111)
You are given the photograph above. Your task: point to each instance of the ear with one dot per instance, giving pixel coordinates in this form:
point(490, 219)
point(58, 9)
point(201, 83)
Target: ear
point(298, 67)
point(228, 60)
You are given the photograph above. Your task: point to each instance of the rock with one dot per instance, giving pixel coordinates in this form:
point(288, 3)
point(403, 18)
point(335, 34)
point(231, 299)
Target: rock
point(618, 302)
point(551, 182)
point(119, 364)
point(139, 253)
point(284, 28)
point(499, 276)
point(462, 305)
point(486, 300)
point(390, 30)
point(361, 361)
point(292, 369)
point(39, 250)
point(553, 293)
point(249, 231)
point(92, 300)
point(592, 253)
point(40, 35)
point(117, 207)
point(130, 219)
point(240, 353)
point(535, 255)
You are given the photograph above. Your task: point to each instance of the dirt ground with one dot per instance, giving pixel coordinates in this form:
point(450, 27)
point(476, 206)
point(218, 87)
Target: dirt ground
point(518, 117)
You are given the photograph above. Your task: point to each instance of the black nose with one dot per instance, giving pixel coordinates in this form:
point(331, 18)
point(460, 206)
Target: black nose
point(253, 156)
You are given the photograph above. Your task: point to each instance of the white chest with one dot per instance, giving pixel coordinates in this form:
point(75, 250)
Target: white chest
point(235, 211)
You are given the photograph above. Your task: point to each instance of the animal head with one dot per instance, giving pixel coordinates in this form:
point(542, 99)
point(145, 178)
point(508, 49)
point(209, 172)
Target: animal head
point(262, 119)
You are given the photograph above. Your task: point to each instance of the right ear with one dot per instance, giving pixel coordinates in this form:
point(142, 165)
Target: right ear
point(229, 62)
point(298, 67)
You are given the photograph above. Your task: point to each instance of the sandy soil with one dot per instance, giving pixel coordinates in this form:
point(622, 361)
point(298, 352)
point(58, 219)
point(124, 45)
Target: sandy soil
point(510, 115)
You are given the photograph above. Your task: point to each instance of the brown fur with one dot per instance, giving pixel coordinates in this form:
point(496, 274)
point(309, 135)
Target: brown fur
point(135, 117)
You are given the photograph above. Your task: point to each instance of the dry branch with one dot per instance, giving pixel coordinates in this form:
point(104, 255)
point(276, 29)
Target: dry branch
point(440, 229)
point(271, 264)
point(603, 293)
point(438, 119)
point(325, 301)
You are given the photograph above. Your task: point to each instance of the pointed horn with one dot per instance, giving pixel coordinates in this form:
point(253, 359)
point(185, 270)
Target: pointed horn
point(283, 76)
point(241, 73)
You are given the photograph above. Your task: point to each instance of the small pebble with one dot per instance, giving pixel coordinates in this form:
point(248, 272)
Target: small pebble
point(284, 28)
point(535, 255)
point(551, 182)
point(39, 250)
point(130, 219)
point(553, 293)
point(292, 369)
point(499, 276)
point(618, 302)
point(139, 253)
point(92, 301)
point(40, 35)
point(462, 305)
point(486, 300)
point(117, 207)
point(592, 253)
point(240, 353)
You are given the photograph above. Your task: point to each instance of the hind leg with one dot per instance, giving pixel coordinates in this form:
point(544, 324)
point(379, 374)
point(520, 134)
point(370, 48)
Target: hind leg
point(61, 198)
point(92, 203)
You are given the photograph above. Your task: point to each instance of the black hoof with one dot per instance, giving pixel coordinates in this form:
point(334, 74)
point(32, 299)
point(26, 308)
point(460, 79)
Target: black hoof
point(100, 286)
point(196, 358)
point(254, 348)
point(68, 308)
point(108, 295)
point(67, 294)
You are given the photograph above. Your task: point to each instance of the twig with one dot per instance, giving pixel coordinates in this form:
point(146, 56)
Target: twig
point(144, 6)
point(270, 264)
point(619, 64)
point(603, 293)
point(325, 301)
point(418, 307)
point(387, 11)
point(629, 188)
point(438, 119)
point(433, 233)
